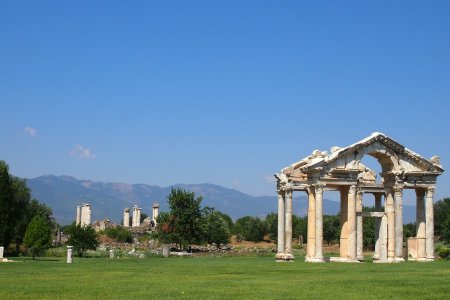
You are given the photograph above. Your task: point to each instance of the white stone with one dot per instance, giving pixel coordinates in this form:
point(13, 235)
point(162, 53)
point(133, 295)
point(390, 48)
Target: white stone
point(2, 249)
point(69, 254)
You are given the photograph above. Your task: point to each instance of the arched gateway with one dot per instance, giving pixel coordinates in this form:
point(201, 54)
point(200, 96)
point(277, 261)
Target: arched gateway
point(343, 171)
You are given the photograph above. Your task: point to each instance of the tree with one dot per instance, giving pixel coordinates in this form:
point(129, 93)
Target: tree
point(331, 232)
point(82, 238)
point(272, 226)
point(7, 221)
point(120, 234)
point(442, 219)
point(38, 236)
point(250, 229)
point(216, 229)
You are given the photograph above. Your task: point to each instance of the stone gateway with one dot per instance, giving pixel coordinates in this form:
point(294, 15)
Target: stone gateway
point(342, 171)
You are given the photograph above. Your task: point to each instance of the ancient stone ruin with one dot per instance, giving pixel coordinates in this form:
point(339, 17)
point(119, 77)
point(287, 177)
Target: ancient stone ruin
point(84, 215)
point(342, 171)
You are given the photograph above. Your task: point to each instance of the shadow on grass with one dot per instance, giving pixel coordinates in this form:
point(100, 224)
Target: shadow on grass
point(36, 259)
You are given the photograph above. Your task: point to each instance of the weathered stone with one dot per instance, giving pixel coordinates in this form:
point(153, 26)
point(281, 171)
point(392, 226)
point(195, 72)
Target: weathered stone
point(69, 254)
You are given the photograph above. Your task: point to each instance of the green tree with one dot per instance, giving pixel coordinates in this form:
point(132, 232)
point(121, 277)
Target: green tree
point(272, 226)
point(442, 219)
point(331, 232)
point(38, 236)
point(216, 229)
point(82, 238)
point(7, 207)
point(369, 229)
point(250, 229)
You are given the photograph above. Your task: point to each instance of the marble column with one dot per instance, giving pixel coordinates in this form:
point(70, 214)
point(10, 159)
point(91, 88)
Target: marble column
point(69, 254)
point(389, 208)
point(311, 243)
point(126, 217)
point(280, 238)
point(343, 246)
point(138, 219)
point(398, 200)
point(359, 226)
point(288, 227)
point(2, 249)
point(87, 215)
point(319, 222)
point(133, 218)
point(352, 223)
point(78, 222)
point(155, 212)
point(420, 225)
point(429, 230)
point(376, 255)
point(383, 234)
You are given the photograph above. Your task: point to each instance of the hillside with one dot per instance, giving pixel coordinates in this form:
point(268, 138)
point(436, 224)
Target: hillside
point(64, 193)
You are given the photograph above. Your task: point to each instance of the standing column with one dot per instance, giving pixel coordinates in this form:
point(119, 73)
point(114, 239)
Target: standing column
point(420, 224)
point(319, 222)
point(383, 234)
point(88, 215)
point(311, 244)
point(288, 227)
point(69, 254)
point(155, 212)
point(133, 218)
point(138, 219)
point(126, 217)
point(280, 237)
point(376, 255)
point(352, 223)
point(78, 222)
point(429, 215)
point(343, 251)
point(398, 192)
point(389, 208)
point(359, 226)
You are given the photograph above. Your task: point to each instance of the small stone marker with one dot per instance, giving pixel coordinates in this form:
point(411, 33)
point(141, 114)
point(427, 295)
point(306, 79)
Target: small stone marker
point(111, 253)
point(2, 249)
point(69, 254)
point(165, 251)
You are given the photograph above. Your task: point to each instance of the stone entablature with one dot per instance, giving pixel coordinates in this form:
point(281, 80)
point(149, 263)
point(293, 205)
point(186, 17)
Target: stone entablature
point(343, 171)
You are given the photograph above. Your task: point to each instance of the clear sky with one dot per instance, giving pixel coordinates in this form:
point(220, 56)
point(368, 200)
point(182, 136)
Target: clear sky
point(166, 92)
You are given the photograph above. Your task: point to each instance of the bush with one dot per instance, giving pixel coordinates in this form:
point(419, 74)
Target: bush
point(444, 252)
point(120, 234)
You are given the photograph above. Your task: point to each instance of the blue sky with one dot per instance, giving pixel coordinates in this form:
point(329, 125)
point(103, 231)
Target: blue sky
point(221, 92)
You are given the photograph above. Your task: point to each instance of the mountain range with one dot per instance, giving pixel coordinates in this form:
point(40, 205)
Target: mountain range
point(64, 193)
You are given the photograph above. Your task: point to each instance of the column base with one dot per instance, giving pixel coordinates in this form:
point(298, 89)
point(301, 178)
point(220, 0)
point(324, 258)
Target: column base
point(399, 259)
point(421, 259)
point(375, 257)
point(395, 259)
point(380, 261)
point(314, 260)
point(344, 260)
point(284, 257)
point(360, 258)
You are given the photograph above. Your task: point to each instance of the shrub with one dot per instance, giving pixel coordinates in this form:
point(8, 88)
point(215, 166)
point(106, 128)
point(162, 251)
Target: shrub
point(444, 252)
point(120, 234)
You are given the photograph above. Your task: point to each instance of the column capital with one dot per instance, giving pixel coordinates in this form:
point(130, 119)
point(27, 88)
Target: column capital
point(318, 188)
point(431, 190)
point(288, 193)
point(420, 192)
point(398, 190)
point(352, 189)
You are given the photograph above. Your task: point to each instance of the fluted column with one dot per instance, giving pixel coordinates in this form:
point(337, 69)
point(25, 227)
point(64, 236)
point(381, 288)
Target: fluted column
point(311, 244)
point(343, 251)
point(126, 217)
point(398, 192)
point(352, 223)
point(319, 222)
point(359, 226)
point(429, 215)
point(288, 226)
point(389, 208)
point(281, 212)
point(376, 255)
point(420, 224)
point(78, 221)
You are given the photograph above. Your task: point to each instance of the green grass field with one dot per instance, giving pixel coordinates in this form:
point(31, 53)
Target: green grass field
point(220, 278)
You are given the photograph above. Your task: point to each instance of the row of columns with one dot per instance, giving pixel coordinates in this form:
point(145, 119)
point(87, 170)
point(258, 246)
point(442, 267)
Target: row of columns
point(388, 225)
point(136, 217)
point(84, 215)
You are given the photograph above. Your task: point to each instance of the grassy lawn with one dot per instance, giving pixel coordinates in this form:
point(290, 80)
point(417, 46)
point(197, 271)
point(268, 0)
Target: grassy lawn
point(220, 278)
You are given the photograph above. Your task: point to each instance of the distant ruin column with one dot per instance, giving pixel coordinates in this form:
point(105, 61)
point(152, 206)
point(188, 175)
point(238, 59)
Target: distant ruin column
point(319, 222)
point(155, 212)
point(126, 217)
point(133, 220)
point(69, 254)
point(87, 221)
point(389, 208)
point(429, 215)
point(78, 221)
point(359, 226)
point(420, 225)
point(280, 238)
point(398, 192)
point(343, 251)
point(288, 227)
point(138, 219)
point(352, 223)
point(376, 255)
point(311, 242)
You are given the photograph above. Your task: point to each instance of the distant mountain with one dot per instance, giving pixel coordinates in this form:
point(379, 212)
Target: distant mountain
point(64, 193)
